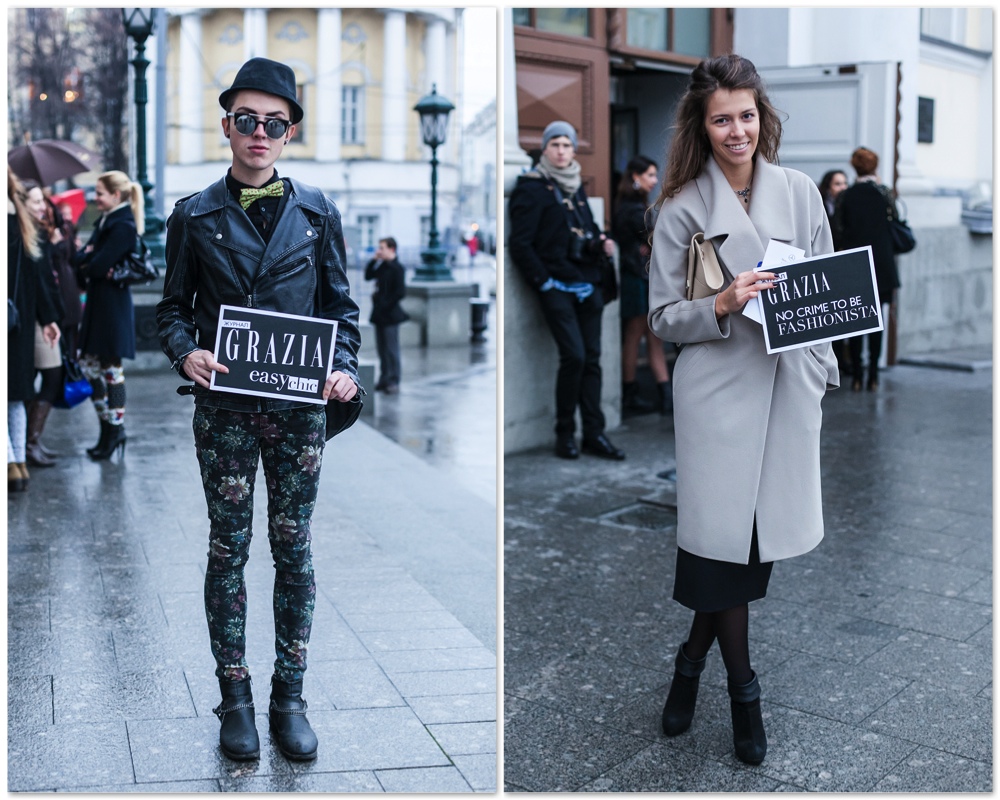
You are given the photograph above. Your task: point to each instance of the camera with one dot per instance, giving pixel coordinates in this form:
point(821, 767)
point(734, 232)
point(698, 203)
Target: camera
point(582, 246)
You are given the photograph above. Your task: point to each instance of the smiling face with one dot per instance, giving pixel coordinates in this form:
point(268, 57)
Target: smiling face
point(254, 155)
point(104, 199)
point(36, 203)
point(559, 151)
point(733, 125)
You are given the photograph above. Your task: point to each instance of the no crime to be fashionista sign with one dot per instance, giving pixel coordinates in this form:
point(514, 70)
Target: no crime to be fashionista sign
point(274, 355)
point(821, 299)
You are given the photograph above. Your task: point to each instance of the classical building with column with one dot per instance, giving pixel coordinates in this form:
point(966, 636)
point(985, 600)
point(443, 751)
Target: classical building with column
point(359, 74)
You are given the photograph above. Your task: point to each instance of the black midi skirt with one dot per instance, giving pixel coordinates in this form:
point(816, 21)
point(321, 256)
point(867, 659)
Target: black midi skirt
point(704, 584)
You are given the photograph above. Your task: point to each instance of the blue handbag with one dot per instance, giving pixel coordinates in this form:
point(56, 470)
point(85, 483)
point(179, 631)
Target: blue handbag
point(76, 388)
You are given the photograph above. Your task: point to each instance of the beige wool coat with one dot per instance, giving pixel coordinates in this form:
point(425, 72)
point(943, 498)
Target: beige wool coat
point(747, 424)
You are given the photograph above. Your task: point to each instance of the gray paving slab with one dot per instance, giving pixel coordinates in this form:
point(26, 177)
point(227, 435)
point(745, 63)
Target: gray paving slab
point(450, 708)
point(926, 770)
point(479, 771)
point(45, 758)
point(418, 781)
point(874, 651)
point(111, 678)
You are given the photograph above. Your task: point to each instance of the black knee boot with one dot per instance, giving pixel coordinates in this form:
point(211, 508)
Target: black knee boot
point(749, 738)
point(238, 737)
point(679, 709)
point(292, 732)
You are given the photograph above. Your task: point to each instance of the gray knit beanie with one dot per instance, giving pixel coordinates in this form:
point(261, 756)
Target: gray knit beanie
point(558, 128)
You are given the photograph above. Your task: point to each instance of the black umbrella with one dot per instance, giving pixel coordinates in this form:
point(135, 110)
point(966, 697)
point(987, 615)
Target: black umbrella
point(51, 160)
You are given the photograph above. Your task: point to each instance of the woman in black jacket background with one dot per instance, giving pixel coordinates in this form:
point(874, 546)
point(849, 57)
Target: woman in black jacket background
point(630, 229)
point(107, 332)
point(26, 287)
point(861, 219)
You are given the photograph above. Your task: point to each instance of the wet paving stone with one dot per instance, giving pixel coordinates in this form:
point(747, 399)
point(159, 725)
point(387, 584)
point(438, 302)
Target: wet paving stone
point(111, 677)
point(859, 644)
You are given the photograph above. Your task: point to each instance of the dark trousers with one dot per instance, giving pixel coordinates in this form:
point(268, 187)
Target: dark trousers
point(387, 341)
point(874, 351)
point(229, 445)
point(576, 327)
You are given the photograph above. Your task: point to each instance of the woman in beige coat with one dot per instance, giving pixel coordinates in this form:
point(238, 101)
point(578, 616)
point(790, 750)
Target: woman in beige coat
point(747, 423)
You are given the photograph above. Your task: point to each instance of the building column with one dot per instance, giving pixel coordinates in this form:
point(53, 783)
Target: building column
point(394, 107)
point(328, 84)
point(191, 100)
point(254, 33)
point(514, 158)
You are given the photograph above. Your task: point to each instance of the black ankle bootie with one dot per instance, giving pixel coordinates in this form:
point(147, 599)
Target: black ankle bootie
point(292, 732)
point(749, 738)
point(238, 737)
point(115, 440)
point(679, 709)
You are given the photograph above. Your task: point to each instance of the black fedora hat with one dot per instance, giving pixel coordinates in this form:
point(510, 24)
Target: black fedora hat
point(271, 77)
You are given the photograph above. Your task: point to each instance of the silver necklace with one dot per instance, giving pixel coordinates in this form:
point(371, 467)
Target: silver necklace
point(744, 194)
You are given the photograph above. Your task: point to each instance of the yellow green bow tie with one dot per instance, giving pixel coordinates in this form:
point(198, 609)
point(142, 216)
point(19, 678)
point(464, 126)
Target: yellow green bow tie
point(248, 196)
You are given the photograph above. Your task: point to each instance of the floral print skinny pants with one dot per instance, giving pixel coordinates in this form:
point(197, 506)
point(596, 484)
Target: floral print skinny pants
point(229, 445)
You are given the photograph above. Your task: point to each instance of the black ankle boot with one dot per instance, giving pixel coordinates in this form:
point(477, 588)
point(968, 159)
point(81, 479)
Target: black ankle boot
point(114, 440)
point(292, 732)
point(632, 400)
point(679, 709)
point(238, 737)
point(102, 439)
point(749, 738)
point(666, 392)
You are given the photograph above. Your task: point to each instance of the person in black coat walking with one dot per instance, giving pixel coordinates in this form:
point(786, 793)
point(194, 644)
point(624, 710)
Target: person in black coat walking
point(861, 219)
point(558, 247)
point(630, 225)
point(107, 332)
point(30, 301)
point(387, 312)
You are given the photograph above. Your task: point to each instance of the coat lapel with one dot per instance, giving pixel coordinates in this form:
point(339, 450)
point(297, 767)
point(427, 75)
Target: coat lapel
point(236, 233)
point(744, 237)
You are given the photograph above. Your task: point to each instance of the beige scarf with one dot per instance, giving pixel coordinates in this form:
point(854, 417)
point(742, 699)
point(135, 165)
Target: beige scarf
point(566, 178)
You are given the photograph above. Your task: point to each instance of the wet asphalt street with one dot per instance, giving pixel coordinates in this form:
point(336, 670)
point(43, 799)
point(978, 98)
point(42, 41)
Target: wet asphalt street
point(874, 651)
point(110, 678)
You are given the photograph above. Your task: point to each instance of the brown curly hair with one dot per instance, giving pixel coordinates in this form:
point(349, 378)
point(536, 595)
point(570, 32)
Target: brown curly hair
point(690, 149)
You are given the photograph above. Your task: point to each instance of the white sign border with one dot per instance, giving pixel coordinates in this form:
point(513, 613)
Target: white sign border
point(813, 342)
point(262, 393)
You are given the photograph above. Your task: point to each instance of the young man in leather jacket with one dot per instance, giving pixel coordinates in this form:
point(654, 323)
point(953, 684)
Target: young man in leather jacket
point(255, 240)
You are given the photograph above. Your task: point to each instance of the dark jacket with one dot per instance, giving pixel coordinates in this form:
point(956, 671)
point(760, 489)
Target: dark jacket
point(540, 234)
point(629, 230)
point(108, 326)
point(390, 289)
point(860, 220)
point(34, 304)
point(216, 257)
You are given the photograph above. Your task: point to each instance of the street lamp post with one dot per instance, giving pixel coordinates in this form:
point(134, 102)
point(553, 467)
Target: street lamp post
point(139, 24)
point(433, 110)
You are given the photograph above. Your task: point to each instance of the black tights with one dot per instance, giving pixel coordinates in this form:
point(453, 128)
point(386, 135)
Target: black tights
point(52, 384)
point(730, 627)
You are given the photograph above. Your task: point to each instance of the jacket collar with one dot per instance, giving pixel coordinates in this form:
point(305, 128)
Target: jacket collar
point(234, 231)
point(746, 235)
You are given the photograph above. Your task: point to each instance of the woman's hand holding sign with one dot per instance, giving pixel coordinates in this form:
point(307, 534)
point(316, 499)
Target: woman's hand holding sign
point(340, 386)
point(744, 288)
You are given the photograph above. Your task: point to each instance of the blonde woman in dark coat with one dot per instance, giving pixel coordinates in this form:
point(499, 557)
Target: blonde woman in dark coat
point(747, 423)
point(107, 332)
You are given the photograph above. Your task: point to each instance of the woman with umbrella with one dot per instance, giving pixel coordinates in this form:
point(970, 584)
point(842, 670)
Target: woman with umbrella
point(27, 302)
point(107, 333)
